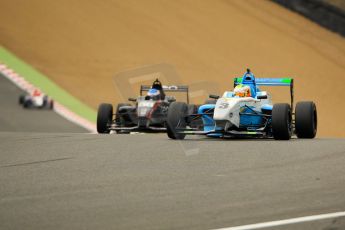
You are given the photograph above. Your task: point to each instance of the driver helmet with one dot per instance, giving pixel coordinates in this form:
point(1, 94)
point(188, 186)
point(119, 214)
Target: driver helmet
point(242, 91)
point(154, 94)
point(157, 85)
point(36, 93)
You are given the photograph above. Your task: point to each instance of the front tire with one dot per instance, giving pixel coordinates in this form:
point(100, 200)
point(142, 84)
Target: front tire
point(176, 117)
point(104, 117)
point(281, 121)
point(306, 119)
point(21, 99)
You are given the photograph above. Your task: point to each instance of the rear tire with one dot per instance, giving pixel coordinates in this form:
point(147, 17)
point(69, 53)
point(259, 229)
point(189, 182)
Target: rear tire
point(306, 119)
point(176, 117)
point(104, 117)
point(281, 121)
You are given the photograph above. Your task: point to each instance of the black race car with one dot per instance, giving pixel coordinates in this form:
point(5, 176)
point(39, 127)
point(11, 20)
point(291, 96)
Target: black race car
point(148, 113)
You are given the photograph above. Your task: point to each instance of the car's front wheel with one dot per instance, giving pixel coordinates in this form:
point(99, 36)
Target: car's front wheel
point(21, 99)
point(176, 119)
point(104, 118)
point(281, 121)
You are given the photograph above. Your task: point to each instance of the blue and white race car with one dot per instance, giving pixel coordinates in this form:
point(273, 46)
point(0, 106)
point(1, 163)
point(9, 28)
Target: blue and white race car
point(245, 112)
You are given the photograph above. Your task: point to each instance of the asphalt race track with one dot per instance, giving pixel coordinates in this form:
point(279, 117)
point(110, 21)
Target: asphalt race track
point(53, 175)
point(14, 117)
point(86, 181)
point(56, 176)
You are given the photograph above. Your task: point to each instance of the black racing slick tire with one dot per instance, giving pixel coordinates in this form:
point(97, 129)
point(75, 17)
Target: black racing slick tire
point(281, 121)
point(176, 119)
point(306, 119)
point(104, 117)
point(21, 99)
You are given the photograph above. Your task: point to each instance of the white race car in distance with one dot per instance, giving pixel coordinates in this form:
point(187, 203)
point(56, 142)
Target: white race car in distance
point(36, 99)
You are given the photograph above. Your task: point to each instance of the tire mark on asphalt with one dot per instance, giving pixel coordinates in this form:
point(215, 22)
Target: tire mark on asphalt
point(36, 162)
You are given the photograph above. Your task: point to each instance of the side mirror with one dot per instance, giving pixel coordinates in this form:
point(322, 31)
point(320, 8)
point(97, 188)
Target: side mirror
point(262, 97)
point(132, 99)
point(213, 96)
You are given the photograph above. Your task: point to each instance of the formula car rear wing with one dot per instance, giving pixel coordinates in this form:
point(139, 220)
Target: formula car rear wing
point(271, 82)
point(170, 88)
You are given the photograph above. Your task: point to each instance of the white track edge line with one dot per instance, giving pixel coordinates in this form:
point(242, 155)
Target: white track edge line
point(285, 222)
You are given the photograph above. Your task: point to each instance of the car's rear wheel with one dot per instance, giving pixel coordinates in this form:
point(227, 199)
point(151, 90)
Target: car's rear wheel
point(104, 118)
point(176, 119)
point(281, 121)
point(306, 119)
